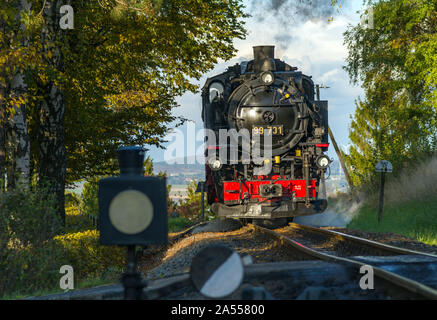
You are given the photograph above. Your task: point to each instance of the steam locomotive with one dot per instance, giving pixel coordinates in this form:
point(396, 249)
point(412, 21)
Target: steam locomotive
point(265, 96)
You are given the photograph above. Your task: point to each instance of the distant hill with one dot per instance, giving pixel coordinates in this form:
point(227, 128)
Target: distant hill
point(185, 168)
point(178, 168)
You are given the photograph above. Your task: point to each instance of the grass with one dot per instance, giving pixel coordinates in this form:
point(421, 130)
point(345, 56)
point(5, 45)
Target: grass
point(178, 224)
point(413, 219)
point(87, 283)
point(411, 208)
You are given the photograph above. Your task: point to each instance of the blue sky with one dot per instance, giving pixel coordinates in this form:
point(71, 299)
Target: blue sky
point(311, 43)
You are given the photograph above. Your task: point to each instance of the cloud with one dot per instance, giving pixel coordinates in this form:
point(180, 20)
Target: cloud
point(327, 76)
point(295, 11)
point(283, 40)
point(305, 40)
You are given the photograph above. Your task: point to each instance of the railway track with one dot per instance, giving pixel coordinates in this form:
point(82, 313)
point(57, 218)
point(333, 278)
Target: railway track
point(342, 244)
point(405, 279)
point(294, 262)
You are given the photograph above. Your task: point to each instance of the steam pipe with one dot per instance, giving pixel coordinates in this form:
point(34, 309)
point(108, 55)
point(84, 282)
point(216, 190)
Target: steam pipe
point(264, 58)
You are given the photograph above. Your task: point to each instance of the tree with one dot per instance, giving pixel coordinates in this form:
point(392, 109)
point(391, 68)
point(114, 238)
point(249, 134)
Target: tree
point(113, 79)
point(395, 60)
point(51, 109)
point(141, 62)
point(14, 138)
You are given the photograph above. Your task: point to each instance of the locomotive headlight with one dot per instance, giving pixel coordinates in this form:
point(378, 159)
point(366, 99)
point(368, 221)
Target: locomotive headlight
point(322, 161)
point(215, 164)
point(267, 78)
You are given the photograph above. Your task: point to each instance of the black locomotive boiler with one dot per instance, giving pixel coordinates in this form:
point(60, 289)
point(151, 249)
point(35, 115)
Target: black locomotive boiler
point(265, 96)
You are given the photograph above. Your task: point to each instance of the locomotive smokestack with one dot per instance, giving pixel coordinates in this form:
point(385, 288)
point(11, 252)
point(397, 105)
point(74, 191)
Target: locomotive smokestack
point(264, 58)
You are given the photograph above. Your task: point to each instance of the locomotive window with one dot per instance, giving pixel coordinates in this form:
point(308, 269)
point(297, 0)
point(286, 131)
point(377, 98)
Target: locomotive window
point(215, 91)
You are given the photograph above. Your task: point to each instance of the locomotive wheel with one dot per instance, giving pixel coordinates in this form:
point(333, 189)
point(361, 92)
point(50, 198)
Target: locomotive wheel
point(270, 223)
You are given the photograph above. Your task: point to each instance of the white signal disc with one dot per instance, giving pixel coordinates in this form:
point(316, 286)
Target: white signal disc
point(131, 212)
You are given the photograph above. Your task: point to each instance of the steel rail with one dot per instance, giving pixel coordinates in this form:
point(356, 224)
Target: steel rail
point(360, 241)
point(176, 236)
point(395, 279)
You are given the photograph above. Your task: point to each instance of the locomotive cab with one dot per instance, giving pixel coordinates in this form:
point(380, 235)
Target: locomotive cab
point(266, 103)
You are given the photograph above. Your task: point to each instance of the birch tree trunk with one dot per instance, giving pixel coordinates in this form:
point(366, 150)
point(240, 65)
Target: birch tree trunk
point(19, 137)
point(2, 121)
point(2, 138)
point(14, 137)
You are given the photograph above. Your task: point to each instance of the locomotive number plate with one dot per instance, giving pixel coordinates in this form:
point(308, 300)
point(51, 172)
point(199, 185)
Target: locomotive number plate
point(268, 129)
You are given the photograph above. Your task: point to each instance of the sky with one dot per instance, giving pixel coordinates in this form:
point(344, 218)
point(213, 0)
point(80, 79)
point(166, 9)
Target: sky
point(304, 37)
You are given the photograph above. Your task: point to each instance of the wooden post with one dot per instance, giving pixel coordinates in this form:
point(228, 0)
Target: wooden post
point(382, 166)
point(201, 188)
point(381, 197)
point(202, 202)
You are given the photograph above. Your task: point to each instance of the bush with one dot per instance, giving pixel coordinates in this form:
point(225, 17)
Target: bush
point(32, 250)
point(90, 203)
point(28, 217)
point(87, 256)
point(31, 268)
point(28, 220)
point(72, 200)
point(76, 221)
point(190, 208)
